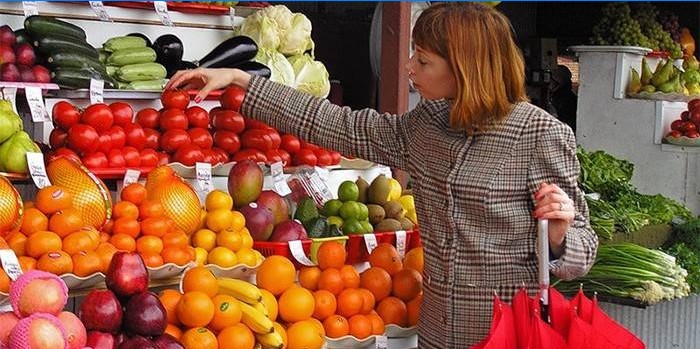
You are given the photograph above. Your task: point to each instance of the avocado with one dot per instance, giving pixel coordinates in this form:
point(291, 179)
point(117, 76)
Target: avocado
point(306, 211)
point(317, 227)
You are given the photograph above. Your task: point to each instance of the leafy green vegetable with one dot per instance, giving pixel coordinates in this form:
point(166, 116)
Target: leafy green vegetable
point(690, 260)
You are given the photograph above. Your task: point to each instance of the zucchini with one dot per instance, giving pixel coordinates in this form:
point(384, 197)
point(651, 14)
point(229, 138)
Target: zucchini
point(102, 55)
point(74, 60)
point(147, 85)
point(132, 56)
point(141, 72)
point(22, 36)
point(79, 77)
point(111, 70)
point(60, 43)
point(123, 42)
point(42, 26)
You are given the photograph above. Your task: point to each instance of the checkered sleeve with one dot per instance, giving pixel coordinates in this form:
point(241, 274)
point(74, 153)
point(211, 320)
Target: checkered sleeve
point(365, 133)
point(555, 162)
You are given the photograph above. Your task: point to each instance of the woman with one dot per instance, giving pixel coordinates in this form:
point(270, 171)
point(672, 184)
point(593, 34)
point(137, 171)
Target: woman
point(485, 163)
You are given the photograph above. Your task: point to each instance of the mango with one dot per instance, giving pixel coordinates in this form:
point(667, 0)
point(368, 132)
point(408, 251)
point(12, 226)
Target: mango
point(245, 182)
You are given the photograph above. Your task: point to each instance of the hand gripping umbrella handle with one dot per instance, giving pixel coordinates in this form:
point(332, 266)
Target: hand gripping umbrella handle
point(543, 259)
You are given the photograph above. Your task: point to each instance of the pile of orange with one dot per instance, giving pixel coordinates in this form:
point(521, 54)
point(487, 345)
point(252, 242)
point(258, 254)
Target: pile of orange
point(138, 224)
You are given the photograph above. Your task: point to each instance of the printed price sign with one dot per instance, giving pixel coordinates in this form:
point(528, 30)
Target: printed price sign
point(298, 253)
point(96, 91)
point(370, 242)
point(37, 170)
point(384, 170)
point(10, 94)
point(401, 242)
point(280, 184)
point(382, 342)
point(30, 8)
point(232, 16)
point(100, 11)
point(203, 171)
point(10, 264)
point(36, 104)
point(323, 173)
point(162, 13)
point(131, 176)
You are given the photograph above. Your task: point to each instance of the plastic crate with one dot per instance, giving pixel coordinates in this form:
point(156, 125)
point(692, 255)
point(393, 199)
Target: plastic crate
point(268, 249)
point(316, 243)
point(415, 240)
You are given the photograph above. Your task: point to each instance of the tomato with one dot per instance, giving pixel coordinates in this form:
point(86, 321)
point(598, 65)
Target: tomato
point(116, 133)
point(65, 115)
point(201, 137)
point(274, 137)
point(135, 136)
point(677, 124)
point(58, 138)
point(232, 98)
point(685, 115)
point(215, 110)
point(132, 157)
point(228, 120)
point(249, 154)
point(305, 157)
point(173, 119)
point(188, 155)
point(178, 99)
point(99, 116)
point(149, 158)
point(674, 134)
point(63, 152)
point(148, 117)
point(692, 134)
point(83, 139)
point(105, 142)
point(209, 156)
point(694, 104)
point(275, 155)
point(96, 160)
point(694, 116)
point(115, 159)
point(152, 138)
point(172, 140)
point(323, 157)
point(227, 141)
point(307, 145)
point(197, 117)
point(286, 158)
point(220, 154)
point(335, 156)
point(688, 126)
point(163, 158)
point(290, 143)
point(257, 139)
point(256, 124)
point(122, 112)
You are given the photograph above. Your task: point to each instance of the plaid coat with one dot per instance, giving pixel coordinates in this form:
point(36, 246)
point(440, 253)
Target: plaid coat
point(474, 196)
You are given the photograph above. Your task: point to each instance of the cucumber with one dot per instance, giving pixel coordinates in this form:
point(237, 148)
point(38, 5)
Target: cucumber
point(147, 85)
point(111, 70)
point(123, 42)
point(74, 60)
point(60, 43)
point(132, 56)
point(79, 77)
point(141, 72)
point(42, 26)
point(102, 55)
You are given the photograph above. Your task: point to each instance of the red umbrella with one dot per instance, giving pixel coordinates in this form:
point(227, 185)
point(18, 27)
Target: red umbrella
point(583, 335)
point(612, 331)
point(502, 332)
point(543, 336)
point(559, 312)
point(583, 306)
point(522, 317)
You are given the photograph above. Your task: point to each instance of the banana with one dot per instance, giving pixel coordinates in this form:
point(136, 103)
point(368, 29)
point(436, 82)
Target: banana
point(260, 306)
point(241, 290)
point(255, 320)
point(271, 340)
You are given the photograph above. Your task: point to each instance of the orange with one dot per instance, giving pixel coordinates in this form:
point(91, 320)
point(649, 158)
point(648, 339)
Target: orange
point(200, 279)
point(296, 304)
point(319, 326)
point(276, 274)
point(86, 263)
point(222, 257)
point(336, 326)
point(219, 220)
point(331, 280)
point(377, 281)
point(304, 335)
point(4, 281)
point(227, 312)
point(378, 327)
point(33, 220)
point(204, 238)
point(331, 255)
point(199, 338)
point(360, 326)
point(53, 199)
point(123, 242)
point(156, 226)
point(407, 284)
point(177, 239)
point(125, 209)
point(149, 209)
point(170, 298)
point(195, 309)
point(350, 302)
point(325, 304)
point(351, 278)
point(237, 221)
point(230, 239)
point(151, 260)
point(56, 262)
point(17, 242)
point(270, 303)
point(65, 222)
point(393, 311)
point(27, 263)
point(217, 199)
point(238, 336)
point(150, 244)
point(248, 256)
point(93, 234)
point(29, 204)
point(105, 250)
point(104, 237)
point(173, 330)
point(42, 242)
point(386, 256)
point(176, 255)
point(134, 193)
point(246, 239)
point(79, 241)
point(308, 277)
point(126, 226)
point(367, 301)
point(414, 259)
point(413, 310)
point(107, 228)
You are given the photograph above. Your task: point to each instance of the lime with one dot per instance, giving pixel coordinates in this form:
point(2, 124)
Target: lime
point(331, 207)
point(335, 220)
point(352, 226)
point(350, 209)
point(367, 227)
point(363, 211)
point(348, 191)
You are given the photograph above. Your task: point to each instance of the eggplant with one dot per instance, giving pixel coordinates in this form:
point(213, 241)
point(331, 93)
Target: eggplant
point(142, 36)
point(255, 68)
point(169, 52)
point(230, 53)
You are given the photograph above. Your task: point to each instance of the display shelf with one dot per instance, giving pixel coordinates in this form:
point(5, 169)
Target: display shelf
point(679, 149)
point(122, 94)
point(23, 85)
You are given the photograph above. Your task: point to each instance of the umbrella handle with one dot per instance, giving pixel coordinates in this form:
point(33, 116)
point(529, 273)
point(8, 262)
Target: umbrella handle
point(543, 259)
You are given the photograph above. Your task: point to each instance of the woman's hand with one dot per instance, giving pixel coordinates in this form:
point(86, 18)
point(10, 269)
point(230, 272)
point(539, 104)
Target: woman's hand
point(207, 80)
point(553, 204)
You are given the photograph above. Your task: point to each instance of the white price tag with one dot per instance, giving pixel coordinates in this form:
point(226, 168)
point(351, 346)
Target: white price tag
point(36, 104)
point(384, 170)
point(10, 94)
point(131, 176)
point(401, 242)
point(382, 342)
point(298, 253)
point(30, 8)
point(232, 16)
point(370, 242)
point(203, 171)
point(37, 169)
point(280, 184)
point(10, 264)
point(323, 173)
point(96, 91)
point(100, 11)
point(162, 12)
point(321, 187)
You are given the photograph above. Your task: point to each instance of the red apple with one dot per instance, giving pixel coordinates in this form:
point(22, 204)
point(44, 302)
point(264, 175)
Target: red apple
point(24, 54)
point(101, 311)
point(41, 74)
point(127, 274)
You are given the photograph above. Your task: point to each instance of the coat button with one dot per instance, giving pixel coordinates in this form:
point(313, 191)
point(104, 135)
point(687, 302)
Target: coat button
point(428, 279)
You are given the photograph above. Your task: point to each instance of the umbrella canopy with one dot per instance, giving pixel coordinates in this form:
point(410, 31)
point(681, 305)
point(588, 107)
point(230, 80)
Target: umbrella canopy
point(502, 332)
point(612, 331)
point(543, 336)
point(560, 312)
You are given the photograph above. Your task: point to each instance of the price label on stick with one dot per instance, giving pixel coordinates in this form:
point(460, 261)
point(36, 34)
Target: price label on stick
point(10, 94)
point(323, 173)
point(37, 170)
point(401, 242)
point(10, 264)
point(232, 16)
point(370, 242)
point(31, 8)
point(382, 342)
point(36, 104)
point(280, 184)
point(203, 171)
point(100, 11)
point(162, 13)
point(131, 176)
point(96, 91)
point(298, 252)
